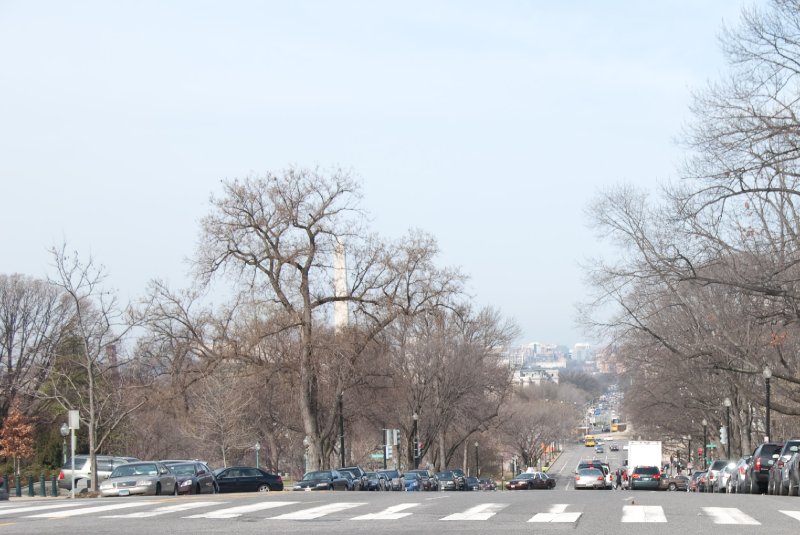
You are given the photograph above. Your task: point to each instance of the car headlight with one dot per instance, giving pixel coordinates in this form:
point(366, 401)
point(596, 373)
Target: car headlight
point(144, 483)
point(106, 485)
point(187, 483)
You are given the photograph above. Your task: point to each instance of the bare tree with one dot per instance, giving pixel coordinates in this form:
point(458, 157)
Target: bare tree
point(92, 374)
point(279, 235)
point(32, 322)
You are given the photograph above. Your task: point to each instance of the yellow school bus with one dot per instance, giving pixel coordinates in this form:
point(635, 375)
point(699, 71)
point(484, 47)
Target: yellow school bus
point(589, 441)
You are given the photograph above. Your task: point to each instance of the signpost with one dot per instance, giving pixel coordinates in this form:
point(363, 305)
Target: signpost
point(74, 422)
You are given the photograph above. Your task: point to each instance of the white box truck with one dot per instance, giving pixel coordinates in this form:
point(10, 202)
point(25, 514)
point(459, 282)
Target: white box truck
point(644, 453)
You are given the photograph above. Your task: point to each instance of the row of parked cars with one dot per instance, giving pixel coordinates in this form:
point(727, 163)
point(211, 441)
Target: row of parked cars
point(355, 478)
point(124, 476)
point(773, 468)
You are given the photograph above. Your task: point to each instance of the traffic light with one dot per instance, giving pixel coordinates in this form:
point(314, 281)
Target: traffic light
point(723, 435)
point(700, 451)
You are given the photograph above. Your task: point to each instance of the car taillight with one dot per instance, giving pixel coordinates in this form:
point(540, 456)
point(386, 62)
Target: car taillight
point(601, 478)
point(635, 476)
point(61, 475)
point(657, 476)
point(758, 463)
point(741, 470)
point(577, 478)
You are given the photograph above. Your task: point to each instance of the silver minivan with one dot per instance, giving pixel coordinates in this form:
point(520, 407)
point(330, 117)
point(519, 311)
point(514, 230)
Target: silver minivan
point(83, 472)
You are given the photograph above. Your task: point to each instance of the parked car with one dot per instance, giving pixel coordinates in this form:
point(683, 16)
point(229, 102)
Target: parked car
point(429, 481)
point(194, 478)
point(645, 477)
point(447, 480)
point(149, 478)
point(83, 469)
point(723, 477)
point(488, 484)
point(757, 474)
point(473, 483)
point(461, 478)
point(359, 476)
point(522, 481)
point(412, 481)
point(736, 482)
point(375, 481)
point(247, 479)
point(778, 477)
point(543, 481)
point(323, 480)
point(395, 477)
point(695, 480)
point(713, 472)
point(677, 482)
point(793, 474)
point(590, 478)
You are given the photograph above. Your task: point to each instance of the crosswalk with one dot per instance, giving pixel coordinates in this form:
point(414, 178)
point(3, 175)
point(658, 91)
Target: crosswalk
point(290, 510)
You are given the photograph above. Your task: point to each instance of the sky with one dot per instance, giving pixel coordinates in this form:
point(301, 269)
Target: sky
point(489, 125)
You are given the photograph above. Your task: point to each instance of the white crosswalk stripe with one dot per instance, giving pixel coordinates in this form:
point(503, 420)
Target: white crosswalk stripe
point(556, 514)
point(793, 514)
point(166, 509)
point(90, 510)
point(32, 508)
point(390, 513)
point(730, 515)
point(481, 512)
point(643, 513)
point(316, 512)
point(234, 512)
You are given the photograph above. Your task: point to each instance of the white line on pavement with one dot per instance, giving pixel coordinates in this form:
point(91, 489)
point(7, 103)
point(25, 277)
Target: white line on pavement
point(316, 512)
point(481, 512)
point(643, 513)
point(90, 510)
point(730, 515)
point(390, 513)
point(233, 512)
point(31, 508)
point(166, 509)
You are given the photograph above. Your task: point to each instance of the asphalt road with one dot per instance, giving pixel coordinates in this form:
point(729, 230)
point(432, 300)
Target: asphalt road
point(590, 512)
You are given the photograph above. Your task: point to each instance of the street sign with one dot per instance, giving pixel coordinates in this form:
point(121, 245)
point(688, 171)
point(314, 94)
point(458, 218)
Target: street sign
point(711, 445)
point(377, 456)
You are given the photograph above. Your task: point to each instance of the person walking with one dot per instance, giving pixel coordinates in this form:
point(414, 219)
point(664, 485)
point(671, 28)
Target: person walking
point(619, 479)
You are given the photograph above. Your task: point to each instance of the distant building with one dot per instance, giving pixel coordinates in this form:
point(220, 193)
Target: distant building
point(582, 352)
point(535, 376)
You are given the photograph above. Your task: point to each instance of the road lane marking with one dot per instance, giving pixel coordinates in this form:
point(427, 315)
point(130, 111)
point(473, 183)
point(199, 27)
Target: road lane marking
point(166, 509)
point(556, 514)
point(390, 513)
point(643, 513)
point(89, 510)
point(730, 515)
point(480, 512)
point(793, 514)
point(32, 508)
point(316, 512)
point(234, 512)
point(558, 508)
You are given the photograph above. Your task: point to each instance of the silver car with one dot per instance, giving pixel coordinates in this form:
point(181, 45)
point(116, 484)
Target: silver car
point(590, 478)
point(152, 478)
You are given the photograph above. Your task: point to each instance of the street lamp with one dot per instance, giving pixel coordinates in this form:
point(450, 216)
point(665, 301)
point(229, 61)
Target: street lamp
point(727, 404)
point(341, 429)
point(415, 417)
point(64, 434)
point(477, 464)
point(258, 451)
point(705, 441)
point(689, 457)
point(767, 373)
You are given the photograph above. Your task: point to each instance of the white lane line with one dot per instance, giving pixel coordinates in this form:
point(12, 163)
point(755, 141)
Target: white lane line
point(643, 513)
point(793, 514)
point(481, 512)
point(90, 510)
point(316, 512)
point(556, 514)
point(32, 508)
point(730, 515)
point(233, 512)
point(166, 509)
point(390, 513)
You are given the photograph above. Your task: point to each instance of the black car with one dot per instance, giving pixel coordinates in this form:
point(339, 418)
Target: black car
point(323, 480)
point(429, 481)
point(757, 474)
point(193, 478)
point(375, 481)
point(473, 483)
point(246, 479)
point(461, 478)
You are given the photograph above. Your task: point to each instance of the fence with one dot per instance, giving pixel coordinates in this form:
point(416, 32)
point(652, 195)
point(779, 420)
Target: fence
point(32, 486)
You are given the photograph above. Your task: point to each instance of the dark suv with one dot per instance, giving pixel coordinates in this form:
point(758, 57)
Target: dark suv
point(360, 481)
point(646, 477)
point(757, 475)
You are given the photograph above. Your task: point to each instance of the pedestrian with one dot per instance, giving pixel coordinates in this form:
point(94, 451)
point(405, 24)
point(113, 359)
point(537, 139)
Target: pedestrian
point(619, 479)
point(624, 479)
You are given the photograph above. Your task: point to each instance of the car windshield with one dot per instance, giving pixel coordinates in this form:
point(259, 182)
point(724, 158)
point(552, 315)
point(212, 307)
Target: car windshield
point(126, 470)
point(182, 469)
point(445, 475)
point(322, 474)
point(647, 470)
point(391, 473)
point(524, 475)
point(590, 472)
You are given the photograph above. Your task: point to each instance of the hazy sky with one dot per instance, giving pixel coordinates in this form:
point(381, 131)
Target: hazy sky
point(490, 125)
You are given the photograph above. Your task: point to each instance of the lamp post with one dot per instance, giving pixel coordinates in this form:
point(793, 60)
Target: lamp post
point(767, 373)
point(705, 441)
point(258, 451)
point(341, 429)
point(689, 456)
point(415, 417)
point(477, 463)
point(64, 434)
point(727, 404)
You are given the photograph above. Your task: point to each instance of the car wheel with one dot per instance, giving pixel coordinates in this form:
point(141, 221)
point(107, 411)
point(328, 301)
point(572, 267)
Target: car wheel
point(198, 489)
point(214, 489)
point(792, 489)
point(752, 487)
point(175, 489)
point(673, 487)
point(158, 489)
point(263, 488)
